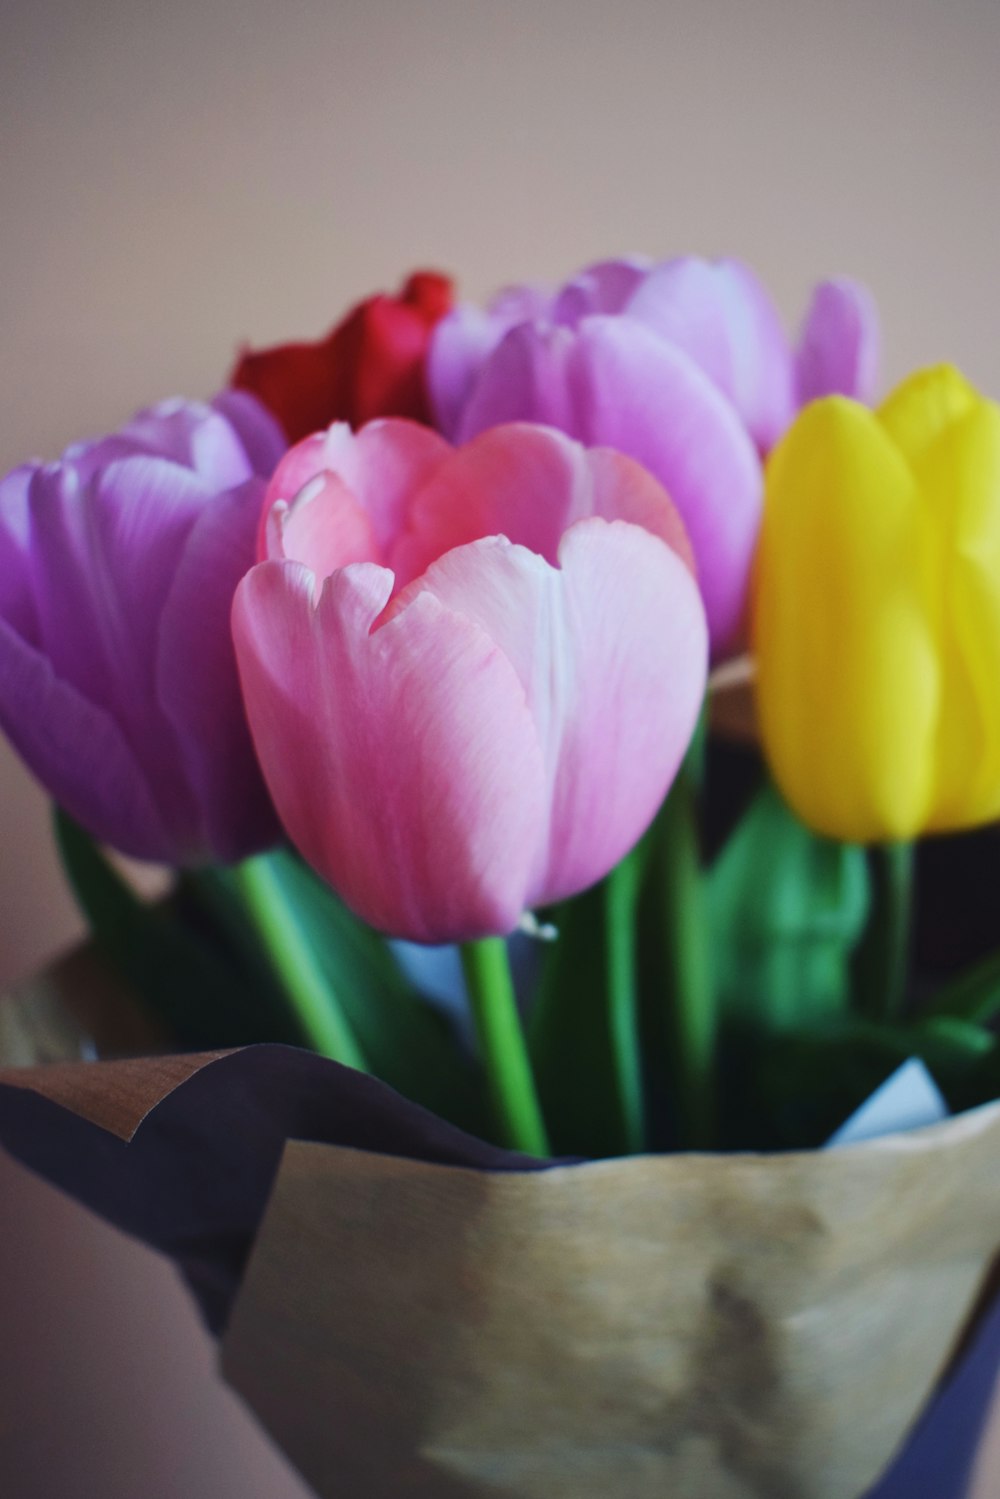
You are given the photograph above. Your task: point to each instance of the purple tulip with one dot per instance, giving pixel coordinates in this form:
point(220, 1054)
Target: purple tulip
point(838, 351)
point(118, 681)
point(683, 365)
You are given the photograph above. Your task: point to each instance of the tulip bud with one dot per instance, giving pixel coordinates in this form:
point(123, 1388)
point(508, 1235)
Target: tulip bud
point(876, 616)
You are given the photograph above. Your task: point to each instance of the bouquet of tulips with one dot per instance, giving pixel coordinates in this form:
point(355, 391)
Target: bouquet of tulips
point(415, 655)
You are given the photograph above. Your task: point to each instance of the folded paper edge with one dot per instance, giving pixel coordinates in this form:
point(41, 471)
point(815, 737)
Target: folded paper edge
point(116, 1096)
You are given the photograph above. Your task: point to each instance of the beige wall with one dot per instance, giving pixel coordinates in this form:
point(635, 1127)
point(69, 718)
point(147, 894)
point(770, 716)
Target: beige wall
point(175, 178)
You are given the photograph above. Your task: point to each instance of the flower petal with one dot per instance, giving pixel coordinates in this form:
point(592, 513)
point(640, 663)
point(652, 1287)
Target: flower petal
point(103, 555)
point(529, 484)
point(720, 315)
point(262, 438)
point(604, 287)
point(959, 477)
point(518, 304)
point(922, 409)
point(459, 347)
point(78, 752)
point(613, 383)
point(17, 604)
point(611, 650)
point(838, 350)
point(195, 437)
point(197, 683)
point(382, 466)
point(848, 667)
point(371, 364)
point(324, 528)
point(403, 762)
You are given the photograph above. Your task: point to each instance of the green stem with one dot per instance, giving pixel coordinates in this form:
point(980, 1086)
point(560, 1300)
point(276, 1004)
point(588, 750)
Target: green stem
point(620, 892)
point(502, 1046)
point(276, 922)
point(691, 1019)
point(884, 957)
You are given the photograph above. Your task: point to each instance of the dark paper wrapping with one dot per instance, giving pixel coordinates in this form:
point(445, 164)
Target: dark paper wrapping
point(422, 1314)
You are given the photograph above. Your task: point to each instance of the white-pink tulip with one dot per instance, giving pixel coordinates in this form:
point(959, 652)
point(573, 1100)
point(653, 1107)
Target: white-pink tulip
point(471, 674)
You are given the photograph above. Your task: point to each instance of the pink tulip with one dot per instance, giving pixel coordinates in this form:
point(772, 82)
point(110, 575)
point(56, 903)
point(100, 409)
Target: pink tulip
point(470, 673)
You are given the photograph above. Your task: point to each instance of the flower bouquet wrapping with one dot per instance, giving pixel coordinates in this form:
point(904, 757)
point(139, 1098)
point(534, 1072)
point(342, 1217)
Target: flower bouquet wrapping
point(625, 1116)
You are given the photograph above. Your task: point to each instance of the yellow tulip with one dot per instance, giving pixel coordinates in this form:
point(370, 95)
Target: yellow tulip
point(876, 612)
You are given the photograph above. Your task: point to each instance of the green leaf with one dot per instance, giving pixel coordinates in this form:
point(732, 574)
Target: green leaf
point(805, 1085)
point(583, 1048)
point(407, 1043)
point(973, 995)
point(196, 963)
point(176, 966)
point(786, 910)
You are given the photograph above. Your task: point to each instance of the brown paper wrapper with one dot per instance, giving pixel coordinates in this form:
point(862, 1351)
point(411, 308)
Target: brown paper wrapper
point(718, 1327)
point(424, 1314)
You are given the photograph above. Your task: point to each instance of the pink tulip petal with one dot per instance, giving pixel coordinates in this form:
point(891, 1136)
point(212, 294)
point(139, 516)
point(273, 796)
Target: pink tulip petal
point(839, 345)
point(77, 751)
point(197, 684)
point(304, 461)
point(720, 315)
point(611, 650)
point(325, 527)
point(404, 762)
point(529, 484)
point(613, 383)
point(382, 465)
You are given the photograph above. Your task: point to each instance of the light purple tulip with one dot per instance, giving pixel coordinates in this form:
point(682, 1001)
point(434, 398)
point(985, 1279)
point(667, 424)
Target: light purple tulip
point(838, 351)
point(610, 382)
point(683, 365)
point(118, 681)
point(719, 314)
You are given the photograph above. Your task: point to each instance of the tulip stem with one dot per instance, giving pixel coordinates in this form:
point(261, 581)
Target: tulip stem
point(620, 890)
point(502, 1046)
point(691, 1013)
point(883, 960)
point(317, 1009)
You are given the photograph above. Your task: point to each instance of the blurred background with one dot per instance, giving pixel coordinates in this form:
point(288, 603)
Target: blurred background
point(177, 180)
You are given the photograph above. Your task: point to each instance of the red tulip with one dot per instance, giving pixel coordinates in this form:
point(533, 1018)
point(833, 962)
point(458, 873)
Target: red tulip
point(371, 364)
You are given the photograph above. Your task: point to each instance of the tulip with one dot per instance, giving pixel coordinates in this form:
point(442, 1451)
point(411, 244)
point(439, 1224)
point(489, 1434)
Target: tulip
point(876, 622)
point(371, 364)
point(682, 365)
point(118, 682)
point(470, 674)
point(838, 350)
